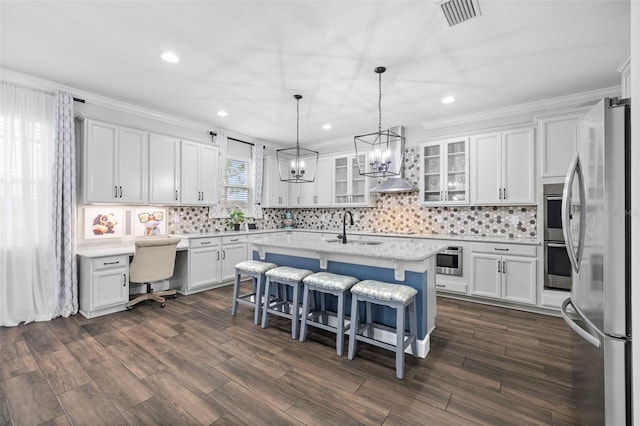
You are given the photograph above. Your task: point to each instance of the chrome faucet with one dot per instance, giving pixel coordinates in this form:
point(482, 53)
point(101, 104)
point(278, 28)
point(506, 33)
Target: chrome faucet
point(344, 225)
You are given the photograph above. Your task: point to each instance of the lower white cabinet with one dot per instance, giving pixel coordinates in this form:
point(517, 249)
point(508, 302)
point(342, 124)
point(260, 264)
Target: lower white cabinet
point(212, 261)
point(510, 277)
point(103, 284)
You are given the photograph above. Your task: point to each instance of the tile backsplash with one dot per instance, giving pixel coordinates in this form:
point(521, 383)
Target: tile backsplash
point(392, 213)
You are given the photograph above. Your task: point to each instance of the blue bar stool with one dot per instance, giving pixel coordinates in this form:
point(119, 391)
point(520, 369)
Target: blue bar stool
point(291, 277)
point(256, 270)
point(396, 296)
point(326, 283)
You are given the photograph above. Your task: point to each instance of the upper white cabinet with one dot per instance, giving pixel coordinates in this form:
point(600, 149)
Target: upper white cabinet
point(318, 192)
point(199, 174)
point(445, 170)
point(557, 134)
point(164, 170)
point(114, 163)
point(502, 167)
point(275, 193)
point(349, 187)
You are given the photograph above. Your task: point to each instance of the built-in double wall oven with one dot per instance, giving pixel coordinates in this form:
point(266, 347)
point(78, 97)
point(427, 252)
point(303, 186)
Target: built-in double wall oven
point(557, 267)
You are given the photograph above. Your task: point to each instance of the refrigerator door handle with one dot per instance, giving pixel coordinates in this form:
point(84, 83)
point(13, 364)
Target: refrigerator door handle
point(575, 327)
point(575, 255)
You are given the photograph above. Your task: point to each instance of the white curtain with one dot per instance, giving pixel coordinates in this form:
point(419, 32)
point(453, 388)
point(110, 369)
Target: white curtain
point(258, 151)
point(221, 139)
point(64, 209)
point(26, 251)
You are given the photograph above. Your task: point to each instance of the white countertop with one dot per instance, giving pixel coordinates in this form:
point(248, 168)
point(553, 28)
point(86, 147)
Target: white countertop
point(119, 248)
point(391, 250)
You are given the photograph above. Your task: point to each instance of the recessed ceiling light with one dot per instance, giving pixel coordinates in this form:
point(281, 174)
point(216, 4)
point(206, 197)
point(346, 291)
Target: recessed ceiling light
point(223, 113)
point(448, 99)
point(170, 57)
point(327, 127)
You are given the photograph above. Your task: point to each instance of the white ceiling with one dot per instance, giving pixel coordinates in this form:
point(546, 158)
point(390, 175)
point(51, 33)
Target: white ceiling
point(250, 57)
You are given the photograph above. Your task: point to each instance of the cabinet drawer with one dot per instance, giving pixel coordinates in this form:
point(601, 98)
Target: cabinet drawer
point(234, 239)
point(110, 262)
point(504, 249)
point(450, 286)
point(204, 242)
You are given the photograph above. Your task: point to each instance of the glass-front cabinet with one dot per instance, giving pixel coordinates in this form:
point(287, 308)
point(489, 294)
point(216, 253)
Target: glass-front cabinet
point(349, 187)
point(444, 178)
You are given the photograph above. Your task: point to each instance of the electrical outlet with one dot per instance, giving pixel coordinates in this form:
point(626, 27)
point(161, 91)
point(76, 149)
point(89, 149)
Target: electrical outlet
point(515, 220)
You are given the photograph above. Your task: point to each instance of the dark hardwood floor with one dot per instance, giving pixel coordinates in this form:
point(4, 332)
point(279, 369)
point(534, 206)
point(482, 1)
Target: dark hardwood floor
point(193, 363)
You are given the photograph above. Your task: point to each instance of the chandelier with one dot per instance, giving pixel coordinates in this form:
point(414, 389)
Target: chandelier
point(383, 150)
point(297, 165)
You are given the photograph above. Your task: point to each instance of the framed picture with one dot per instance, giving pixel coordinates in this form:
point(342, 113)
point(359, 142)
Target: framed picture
point(149, 222)
point(103, 222)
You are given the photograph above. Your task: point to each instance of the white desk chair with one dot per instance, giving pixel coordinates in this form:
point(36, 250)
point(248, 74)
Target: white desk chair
point(154, 260)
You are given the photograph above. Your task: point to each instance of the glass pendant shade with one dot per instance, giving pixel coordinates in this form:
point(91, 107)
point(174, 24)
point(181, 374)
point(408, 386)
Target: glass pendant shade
point(296, 164)
point(382, 151)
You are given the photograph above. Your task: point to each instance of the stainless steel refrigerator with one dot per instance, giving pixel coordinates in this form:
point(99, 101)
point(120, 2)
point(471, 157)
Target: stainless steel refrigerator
point(596, 227)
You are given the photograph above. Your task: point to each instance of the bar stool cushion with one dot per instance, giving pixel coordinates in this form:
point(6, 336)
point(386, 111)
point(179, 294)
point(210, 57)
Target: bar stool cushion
point(329, 281)
point(384, 291)
point(255, 267)
point(287, 273)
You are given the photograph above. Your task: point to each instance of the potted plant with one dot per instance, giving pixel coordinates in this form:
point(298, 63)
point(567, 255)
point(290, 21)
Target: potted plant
point(236, 218)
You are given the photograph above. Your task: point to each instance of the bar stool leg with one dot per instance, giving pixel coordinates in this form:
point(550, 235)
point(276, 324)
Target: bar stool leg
point(354, 327)
point(295, 314)
point(340, 324)
point(305, 313)
point(258, 298)
point(236, 292)
point(413, 328)
point(400, 341)
point(267, 287)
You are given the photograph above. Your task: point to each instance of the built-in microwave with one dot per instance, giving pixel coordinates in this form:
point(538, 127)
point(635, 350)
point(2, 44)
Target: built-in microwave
point(449, 261)
point(552, 210)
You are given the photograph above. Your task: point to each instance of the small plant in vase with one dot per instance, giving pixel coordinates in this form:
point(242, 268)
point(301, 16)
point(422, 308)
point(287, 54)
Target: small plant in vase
point(235, 219)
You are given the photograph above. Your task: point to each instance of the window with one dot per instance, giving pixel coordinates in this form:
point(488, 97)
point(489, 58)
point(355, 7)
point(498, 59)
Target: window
point(237, 189)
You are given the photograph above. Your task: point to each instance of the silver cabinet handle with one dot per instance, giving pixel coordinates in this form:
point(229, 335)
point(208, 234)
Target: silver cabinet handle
point(110, 263)
point(218, 253)
point(224, 254)
point(120, 191)
point(116, 192)
point(504, 267)
point(202, 243)
point(504, 193)
point(441, 286)
point(499, 193)
point(500, 249)
point(235, 239)
point(176, 195)
point(440, 195)
point(124, 280)
point(499, 270)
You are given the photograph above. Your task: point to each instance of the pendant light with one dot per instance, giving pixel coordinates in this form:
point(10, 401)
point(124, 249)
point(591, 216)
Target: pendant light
point(382, 151)
point(297, 165)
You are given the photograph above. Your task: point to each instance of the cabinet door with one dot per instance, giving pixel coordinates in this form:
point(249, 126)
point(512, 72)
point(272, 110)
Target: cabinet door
point(110, 288)
point(297, 193)
point(232, 254)
point(431, 178)
point(485, 168)
point(486, 275)
point(164, 170)
point(455, 164)
point(519, 279)
point(341, 178)
point(209, 163)
point(518, 175)
point(189, 173)
point(275, 193)
point(132, 165)
point(558, 140)
point(204, 267)
point(100, 162)
point(358, 183)
point(323, 183)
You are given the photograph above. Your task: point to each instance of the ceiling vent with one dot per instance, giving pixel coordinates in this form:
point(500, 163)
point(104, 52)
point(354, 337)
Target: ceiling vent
point(458, 11)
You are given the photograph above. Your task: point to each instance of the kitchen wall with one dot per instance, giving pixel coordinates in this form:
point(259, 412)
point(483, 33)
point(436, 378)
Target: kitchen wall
point(392, 213)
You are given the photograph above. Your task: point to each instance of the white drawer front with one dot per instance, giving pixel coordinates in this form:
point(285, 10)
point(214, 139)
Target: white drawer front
point(109, 262)
point(234, 239)
point(505, 249)
point(204, 242)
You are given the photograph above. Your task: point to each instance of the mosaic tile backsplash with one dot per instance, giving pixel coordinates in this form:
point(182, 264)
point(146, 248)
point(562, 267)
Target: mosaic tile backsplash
point(393, 213)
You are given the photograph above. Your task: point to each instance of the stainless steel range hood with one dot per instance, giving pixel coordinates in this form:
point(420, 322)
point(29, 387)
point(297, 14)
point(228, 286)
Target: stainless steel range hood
point(394, 185)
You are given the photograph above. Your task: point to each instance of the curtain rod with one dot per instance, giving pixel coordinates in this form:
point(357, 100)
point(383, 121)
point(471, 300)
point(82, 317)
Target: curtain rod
point(234, 139)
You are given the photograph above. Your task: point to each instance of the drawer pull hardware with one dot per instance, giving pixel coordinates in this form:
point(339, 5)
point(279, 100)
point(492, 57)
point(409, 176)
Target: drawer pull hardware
point(499, 270)
point(205, 242)
point(218, 253)
point(235, 239)
point(111, 263)
point(224, 254)
point(116, 193)
point(504, 267)
point(441, 285)
point(501, 249)
point(124, 280)
point(120, 192)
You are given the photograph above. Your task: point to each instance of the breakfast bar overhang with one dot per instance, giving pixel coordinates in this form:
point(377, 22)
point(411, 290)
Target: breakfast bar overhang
point(408, 263)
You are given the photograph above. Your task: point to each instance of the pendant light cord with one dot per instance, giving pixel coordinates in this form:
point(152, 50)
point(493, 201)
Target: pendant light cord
point(298, 128)
point(379, 102)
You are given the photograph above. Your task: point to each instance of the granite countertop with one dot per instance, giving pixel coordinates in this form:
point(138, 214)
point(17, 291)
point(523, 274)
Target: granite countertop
point(120, 248)
point(390, 250)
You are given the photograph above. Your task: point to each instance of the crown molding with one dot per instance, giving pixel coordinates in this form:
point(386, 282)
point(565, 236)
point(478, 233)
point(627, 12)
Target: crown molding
point(114, 104)
point(561, 102)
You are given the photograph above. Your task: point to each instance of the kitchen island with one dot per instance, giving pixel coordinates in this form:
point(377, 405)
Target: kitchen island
point(408, 263)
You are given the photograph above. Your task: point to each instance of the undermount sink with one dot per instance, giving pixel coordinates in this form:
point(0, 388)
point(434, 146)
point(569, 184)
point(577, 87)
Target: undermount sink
point(357, 242)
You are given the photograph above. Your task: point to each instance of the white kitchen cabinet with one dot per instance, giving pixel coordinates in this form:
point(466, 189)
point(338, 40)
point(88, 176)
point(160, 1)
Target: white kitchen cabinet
point(502, 167)
point(234, 251)
point(103, 285)
point(114, 163)
point(445, 172)
point(164, 170)
point(275, 193)
point(198, 174)
point(510, 277)
point(558, 139)
point(316, 193)
point(349, 187)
